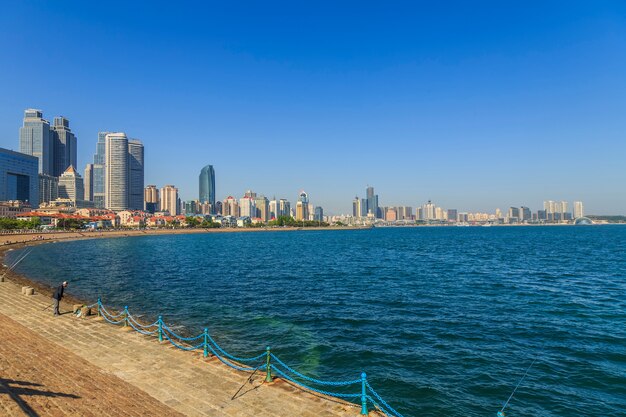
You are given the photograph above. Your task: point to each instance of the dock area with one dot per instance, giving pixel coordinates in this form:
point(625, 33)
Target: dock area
point(69, 366)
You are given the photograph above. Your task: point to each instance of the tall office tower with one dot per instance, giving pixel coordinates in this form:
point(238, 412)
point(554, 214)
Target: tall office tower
point(151, 199)
point(453, 214)
point(230, 207)
point(262, 207)
point(64, 146)
point(218, 207)
point(48, 188)
point(247, 206)
point(18, 177)
point(578, 209)
point(36, 140)
point(356, 207)
point(135, 174)
point(116, 172)
point(319, 214)
point(428, 211)
point(302, 206)
point(71, 185)
point(273, 208)
point(284, 208)
point(98, 178)
point(524, 213)
point(207, 185)
point(169, 200)
point(88, 180)
point(372, 202)
point(514, 214)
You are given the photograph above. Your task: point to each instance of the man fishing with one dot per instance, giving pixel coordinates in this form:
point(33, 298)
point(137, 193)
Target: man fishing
point(57, 296)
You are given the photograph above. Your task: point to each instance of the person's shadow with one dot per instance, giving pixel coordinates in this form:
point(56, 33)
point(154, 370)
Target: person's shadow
point(18, 389)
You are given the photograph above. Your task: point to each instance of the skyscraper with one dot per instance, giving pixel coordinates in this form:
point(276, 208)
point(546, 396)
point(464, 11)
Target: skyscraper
point(247, 206)
point(273, 208)
point(356, 207)
point(207, 185)
point(302, 206)
point(136, 177)
point(88, 181)
point(319, 214)
point(18, 177)
point(151, 199)
point(262, 207)
point(116, 171)
point(64, 146)
point(36, 140)
point(230, 207)
point(578, 209)
point(284, 208)
point(169, 200)
point(48, 188)
point(71, 185)
point(372, 202)
point(97, 183)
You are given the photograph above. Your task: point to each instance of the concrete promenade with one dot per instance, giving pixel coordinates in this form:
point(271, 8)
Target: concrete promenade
point(100, 369)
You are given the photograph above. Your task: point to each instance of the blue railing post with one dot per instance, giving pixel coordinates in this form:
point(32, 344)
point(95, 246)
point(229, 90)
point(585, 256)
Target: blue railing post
point(206, 342)
point(363, 395)
point(268, 367)
point(99, 303)
point(125, 316)
point(160, 323)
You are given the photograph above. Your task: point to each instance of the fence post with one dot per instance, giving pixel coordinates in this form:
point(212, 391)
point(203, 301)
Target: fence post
point(99, 303)
point(206, 342)
point(363, 395)
point(160, 323)
point(268, 367)
point(125, 316)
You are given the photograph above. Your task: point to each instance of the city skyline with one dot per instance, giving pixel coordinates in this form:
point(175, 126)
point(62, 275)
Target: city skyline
point(473, 113)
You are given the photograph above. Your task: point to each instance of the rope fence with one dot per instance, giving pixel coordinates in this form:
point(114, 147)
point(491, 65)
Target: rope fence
point(356, 389)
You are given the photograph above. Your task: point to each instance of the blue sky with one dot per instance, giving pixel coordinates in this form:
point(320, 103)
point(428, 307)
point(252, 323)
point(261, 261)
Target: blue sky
point(474, 105)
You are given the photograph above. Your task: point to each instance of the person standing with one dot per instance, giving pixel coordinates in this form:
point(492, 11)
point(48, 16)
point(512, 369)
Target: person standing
point(57, 296)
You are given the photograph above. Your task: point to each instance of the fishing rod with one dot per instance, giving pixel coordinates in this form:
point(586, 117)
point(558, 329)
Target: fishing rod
point(501, 412)
point(15, 264)
point(76, 280)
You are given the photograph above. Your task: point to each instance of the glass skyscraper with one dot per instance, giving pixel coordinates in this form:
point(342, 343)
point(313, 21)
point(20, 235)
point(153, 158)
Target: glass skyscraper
point(18, 177)
point(135, 172)
point(36, 140)
point(116, 172)
point(63, 145)
point(207, 186)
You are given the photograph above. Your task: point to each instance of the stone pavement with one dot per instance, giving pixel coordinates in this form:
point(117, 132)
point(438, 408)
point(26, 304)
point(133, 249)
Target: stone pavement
point(184, 381)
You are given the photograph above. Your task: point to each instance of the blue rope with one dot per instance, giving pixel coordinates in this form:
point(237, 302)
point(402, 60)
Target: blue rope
point(109, 314)
point(183, 347)
point(316, 381)
point(331, 394)
point(112, 321)
point(184, 339)
point(388, 410)
point(142, 331)
point(239, 368)
point(131, 318)
point(235, 358)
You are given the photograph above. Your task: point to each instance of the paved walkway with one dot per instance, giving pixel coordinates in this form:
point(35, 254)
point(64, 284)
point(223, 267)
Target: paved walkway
point(184, 381)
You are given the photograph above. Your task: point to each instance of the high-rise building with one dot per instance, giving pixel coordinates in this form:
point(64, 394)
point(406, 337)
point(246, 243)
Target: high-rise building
point(514, 214)
point(71, 185)
point(428, 211)
point(135, 175)
point(64, 146)
point(151, 199)
point(116, 172)
point(524, 213)
point(247, 206)
point(97, 188)
point(284, 208)
point(453, 215)
point(391, 214)
point(319, 214)
point(88, 181)
point(302, 206)
point(262, 208)
point(19, 179)
point(169, 200)
point(48, 188)
point(230, 207)
point(578, 209)
point(356, 207)
point(273, 208)
point(207, 185)
point(372, 202)
point(36, 140)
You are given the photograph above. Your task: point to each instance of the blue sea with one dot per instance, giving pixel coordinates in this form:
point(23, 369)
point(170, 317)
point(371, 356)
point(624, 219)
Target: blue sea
point(444, 320)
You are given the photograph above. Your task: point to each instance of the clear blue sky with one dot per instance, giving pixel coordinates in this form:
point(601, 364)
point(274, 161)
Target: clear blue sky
point(475, 105)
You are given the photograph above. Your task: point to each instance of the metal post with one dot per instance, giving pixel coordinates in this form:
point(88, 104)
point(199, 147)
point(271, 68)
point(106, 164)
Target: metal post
point(206, 342)
point(363, 395)
point(125, 316)
point(160, 323)
point(99, 303)
point(268, 367)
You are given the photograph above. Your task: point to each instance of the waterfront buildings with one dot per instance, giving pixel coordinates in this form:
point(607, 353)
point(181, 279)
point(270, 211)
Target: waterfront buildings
point(64, 146)
point(95, 174)
point(48, 188)
point(169, 200)
point(19, 179)
point(262, 208)
point(135, 175)
point(319, 214)
point(116, 184)
point(151, 199)
point(302, 206)
point(230, 207)
point(207, 185)
point(284, 207)
point(578, 209)
point(36, 140)
point(71, 186)
point(372, 203)
point(247, 206)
